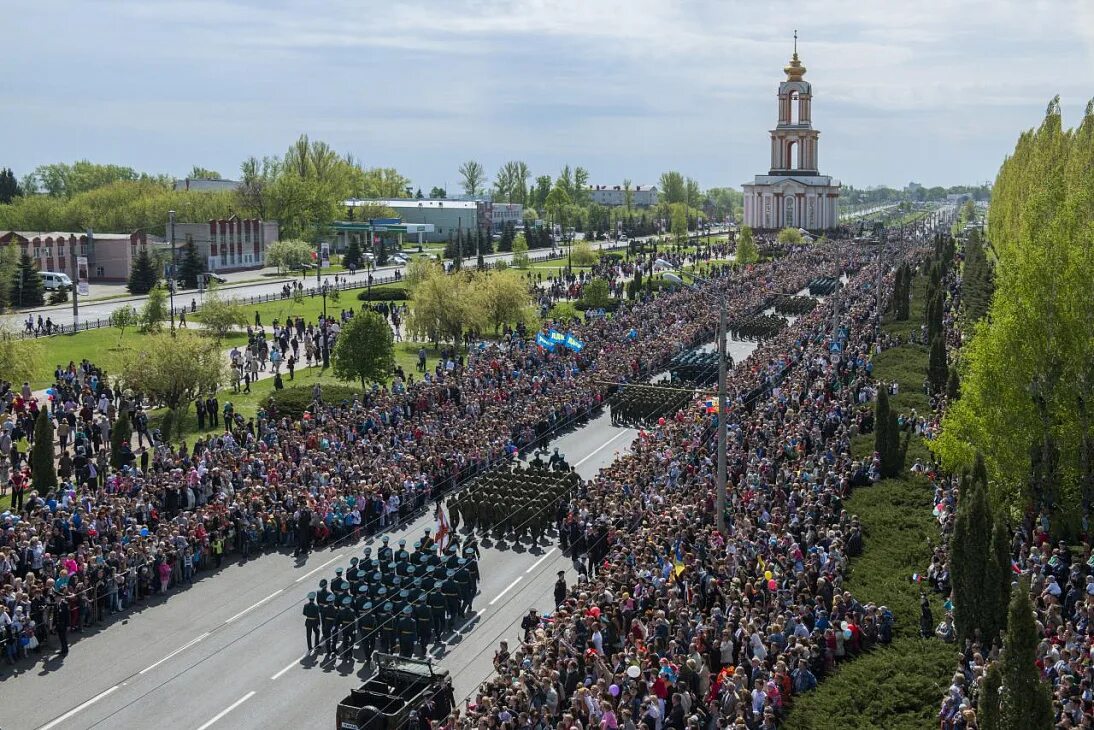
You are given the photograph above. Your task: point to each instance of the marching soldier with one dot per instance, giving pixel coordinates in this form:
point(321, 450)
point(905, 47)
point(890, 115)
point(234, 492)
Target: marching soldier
point(385, 553)
point(406, 633)
point(347, 622)
point(311, 622)
point(423, 619)
point(401, 555)
point(329, 619)
point(322, 594)
point(451, 592)
point(386, 619)
point(366, 624)
point(463, 586)
point(436, 601)
point(472, 570)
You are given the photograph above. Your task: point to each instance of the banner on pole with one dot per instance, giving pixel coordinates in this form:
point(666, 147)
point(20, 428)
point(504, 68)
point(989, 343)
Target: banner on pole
point(82, 284)
point(324, 255)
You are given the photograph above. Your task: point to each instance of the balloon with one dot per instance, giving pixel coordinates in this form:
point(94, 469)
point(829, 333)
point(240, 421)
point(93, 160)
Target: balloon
point(144, 532)
point(768, 574)
point(595, 611)
point(771, 584)
point(633, 672)
point(847, 633)
point(843, 625)
point(614, 690)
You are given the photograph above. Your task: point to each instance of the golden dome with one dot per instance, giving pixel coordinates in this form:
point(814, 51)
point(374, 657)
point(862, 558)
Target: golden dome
point(795, 70)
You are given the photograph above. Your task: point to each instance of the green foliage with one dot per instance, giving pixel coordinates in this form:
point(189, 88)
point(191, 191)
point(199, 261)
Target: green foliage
point(288, 254)
point(520, 251)
point(59, 295)
point(977, 612)
point(42, 466)
point(977, 280)
point(747, 252)
point(119, 434)
point(352, 259)
point(20, 359)
point(789, 235)
point(583, 254)
point(473, 177)
point(143, 276)
point(563, 312)
point(122, 318)
point(220, 316)
point(200, 173)
point(672, 188)
point(190, 265)
point(1027, 701)
point(9, 186)
point(172, 370)
point(1031, 360)
point(384, 294)
point(498, 297)
point(294, 400)
point(937, 368)
point(988, 709)
point(27, 289)
point(364, 349)
point(155, 310)
point(596, 294)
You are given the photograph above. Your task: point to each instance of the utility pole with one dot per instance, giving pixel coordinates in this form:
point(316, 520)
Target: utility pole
point(174, 264)
point(722, 418)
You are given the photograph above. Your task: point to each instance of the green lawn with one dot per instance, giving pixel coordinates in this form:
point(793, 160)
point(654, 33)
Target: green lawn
point(310, 307)
point(898, 687)
point(104, 347)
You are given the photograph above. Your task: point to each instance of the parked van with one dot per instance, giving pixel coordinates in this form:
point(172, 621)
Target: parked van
point(55, 280)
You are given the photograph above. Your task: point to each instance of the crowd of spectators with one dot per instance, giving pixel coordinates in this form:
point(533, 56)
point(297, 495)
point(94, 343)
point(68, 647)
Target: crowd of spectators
point(673, 624)
point(124, 527)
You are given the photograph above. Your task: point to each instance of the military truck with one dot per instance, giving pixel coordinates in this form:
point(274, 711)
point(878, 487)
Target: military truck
point(401, 686)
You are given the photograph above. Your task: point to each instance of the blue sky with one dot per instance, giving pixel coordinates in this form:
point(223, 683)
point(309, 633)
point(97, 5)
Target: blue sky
point(933, 91)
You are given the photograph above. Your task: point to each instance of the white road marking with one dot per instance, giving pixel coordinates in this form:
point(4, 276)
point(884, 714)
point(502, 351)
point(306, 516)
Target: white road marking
point(316, 570)
point(604, 445)
point(295, 662)
point(228, 709)
point(76, 709)
point(176, 651)
point(507, 588)
point(545, 556)
point(253, 606)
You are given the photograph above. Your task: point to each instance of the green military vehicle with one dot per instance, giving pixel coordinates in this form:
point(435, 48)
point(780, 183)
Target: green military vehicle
point(401, 686)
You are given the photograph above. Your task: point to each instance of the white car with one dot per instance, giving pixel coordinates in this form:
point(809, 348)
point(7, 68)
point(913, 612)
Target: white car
point(54, 280)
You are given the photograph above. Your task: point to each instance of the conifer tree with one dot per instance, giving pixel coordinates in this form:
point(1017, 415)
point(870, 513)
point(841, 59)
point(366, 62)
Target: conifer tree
point(881, 420)
point(27, 289)
point(121, 432)
point(190, 265)
point(351, 259)
point(988, 709)
point(937, 368)
point(969, 556)
point(143, 275)
point(42, 467)
point(1027, 701)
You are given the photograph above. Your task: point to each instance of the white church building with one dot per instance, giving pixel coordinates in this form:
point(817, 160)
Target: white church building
point(793, 193)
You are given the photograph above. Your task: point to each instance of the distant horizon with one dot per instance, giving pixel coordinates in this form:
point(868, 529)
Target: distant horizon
point(934, 93)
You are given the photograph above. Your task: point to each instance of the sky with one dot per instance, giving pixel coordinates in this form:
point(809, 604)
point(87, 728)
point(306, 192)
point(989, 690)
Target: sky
point(932, 91)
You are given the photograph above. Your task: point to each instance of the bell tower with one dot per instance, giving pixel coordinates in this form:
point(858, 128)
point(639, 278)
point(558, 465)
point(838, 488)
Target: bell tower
point(793, 140)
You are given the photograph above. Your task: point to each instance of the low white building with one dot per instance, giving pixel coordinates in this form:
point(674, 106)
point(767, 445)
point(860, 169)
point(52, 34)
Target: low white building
point(615, 196)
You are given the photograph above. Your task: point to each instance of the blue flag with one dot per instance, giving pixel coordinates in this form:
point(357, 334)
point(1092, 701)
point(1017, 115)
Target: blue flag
point(573, 343)
point(545, 343)
point(633, 334)
point(556, 336)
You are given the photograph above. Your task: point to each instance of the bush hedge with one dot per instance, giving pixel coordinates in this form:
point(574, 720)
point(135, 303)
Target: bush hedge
point(294, 401)
point(385, 294)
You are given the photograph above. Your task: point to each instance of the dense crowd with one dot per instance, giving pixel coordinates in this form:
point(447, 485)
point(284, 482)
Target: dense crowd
point(676, 625)
point(112, 536)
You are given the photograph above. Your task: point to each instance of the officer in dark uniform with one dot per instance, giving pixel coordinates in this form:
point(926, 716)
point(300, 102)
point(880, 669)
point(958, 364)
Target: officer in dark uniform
point(472, 569)
point(436, 601)
point(451, 590)
point(463, 585)
point(338, 586)
point(423, 618)
point(385, 553)
point(401, 555)
point(322, 593)
point(311, 622)
point(366, 626)
point(560, 588)
point(347, 622)
point(473, 545)
point(329, 619)
point(352, 576)
point(386, 619)
point(406, 633)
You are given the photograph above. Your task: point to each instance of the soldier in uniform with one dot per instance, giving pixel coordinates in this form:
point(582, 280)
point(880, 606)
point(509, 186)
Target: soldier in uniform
point(560, 588)
point(329, 619)
point(401, 555)
point(322, 593)
point(385, 553)
point(423, 618)
point(463, 585)
point(451, 592)
point(406, 632)
point(366, 625)
point(386, 619)
point(436, 600)
point(347, 622)
point(472, 570)
point(311, 622)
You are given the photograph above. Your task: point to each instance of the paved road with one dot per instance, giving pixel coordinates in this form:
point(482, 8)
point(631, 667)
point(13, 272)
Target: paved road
point(238, 638)
point(62, 314)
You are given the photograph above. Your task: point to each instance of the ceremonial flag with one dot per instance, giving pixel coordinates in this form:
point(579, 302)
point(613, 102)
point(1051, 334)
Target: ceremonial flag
point(442, 529)
point(678, 559)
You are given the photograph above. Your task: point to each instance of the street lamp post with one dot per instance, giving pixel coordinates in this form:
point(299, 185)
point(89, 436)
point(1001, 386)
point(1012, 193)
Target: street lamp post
point(324, 330)
point(174, 266)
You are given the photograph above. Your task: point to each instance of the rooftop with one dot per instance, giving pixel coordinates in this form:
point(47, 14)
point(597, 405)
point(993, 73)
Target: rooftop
point(425, 203)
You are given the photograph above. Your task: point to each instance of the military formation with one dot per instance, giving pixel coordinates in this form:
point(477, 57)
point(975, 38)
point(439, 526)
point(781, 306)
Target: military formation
point(637, 405)
point(516, 503)
point(696, 366)
point(756, 327)
point(397, 601)
point(822, 286)
point(792, 305)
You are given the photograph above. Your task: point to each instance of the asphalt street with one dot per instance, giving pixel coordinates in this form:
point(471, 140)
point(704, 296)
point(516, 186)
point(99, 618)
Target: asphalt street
point(230, 651)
